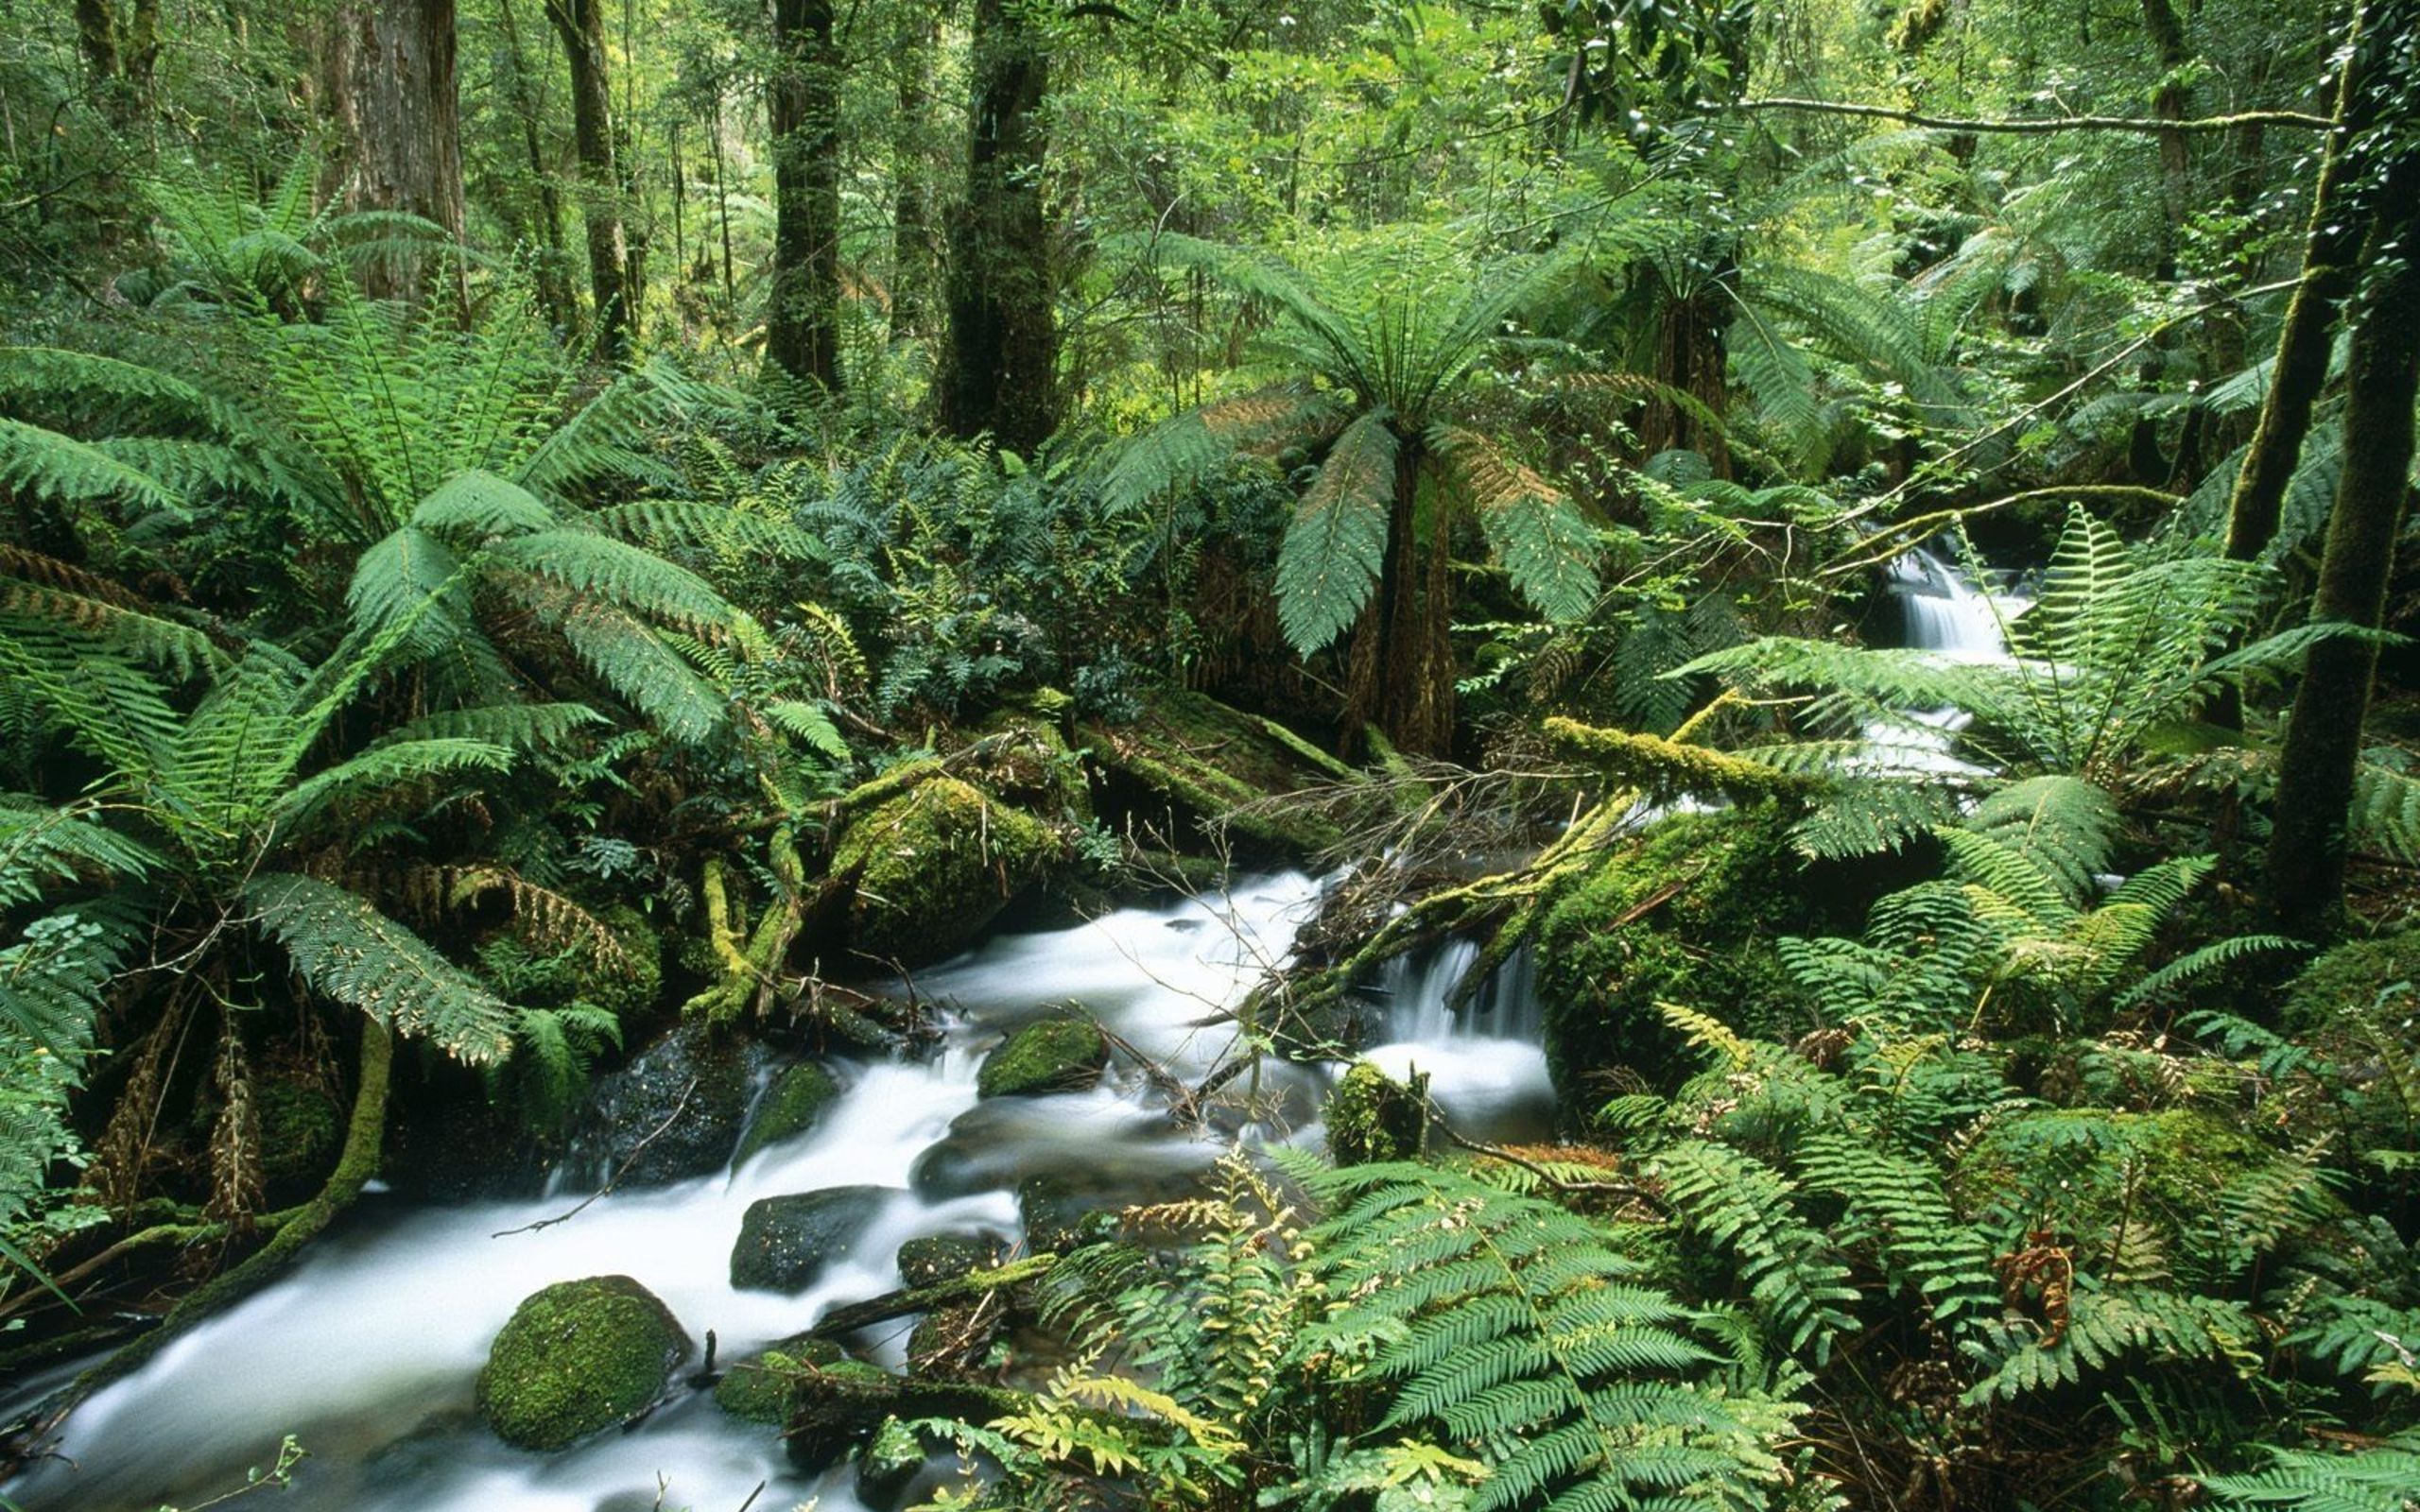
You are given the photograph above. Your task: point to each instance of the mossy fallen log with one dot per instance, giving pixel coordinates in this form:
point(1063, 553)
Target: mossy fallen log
point(1667, 767)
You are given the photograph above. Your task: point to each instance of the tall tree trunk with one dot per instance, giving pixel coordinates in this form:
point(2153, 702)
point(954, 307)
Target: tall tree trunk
point(2169, 103)
point(912, 263)
point(120, 53)
point(581, 24)
point(802, 324)
point(529, 105)
point(2330, 251)
point(397, 105)
point(1001, 371)
point(2316, 768)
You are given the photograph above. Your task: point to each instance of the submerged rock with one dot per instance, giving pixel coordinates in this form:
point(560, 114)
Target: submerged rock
point(934, 866)
point(1057, 1055)
point(1062, 1213)
point(676, 1111)
point(786, 1242)
point(576, 1357)
point(794, 1104)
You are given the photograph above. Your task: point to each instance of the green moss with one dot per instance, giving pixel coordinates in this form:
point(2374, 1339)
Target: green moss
point(936, 864)
point(2355, 979)
point(759, 1388)
point(1052, 1055)
point(576, 1357)
point(1204, 762)
point(301, 1130)
point(1371, 1117)
point(2090, 1172)
point(795, 1103)
point(889, 1460)
point(1687, 911)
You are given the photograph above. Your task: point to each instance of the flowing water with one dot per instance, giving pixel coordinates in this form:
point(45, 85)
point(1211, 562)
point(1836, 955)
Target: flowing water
point(369, 1349)
point(1951, 616)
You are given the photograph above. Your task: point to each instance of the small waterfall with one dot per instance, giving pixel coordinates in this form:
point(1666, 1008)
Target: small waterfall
point(1949, 616)
point(1485, 1062)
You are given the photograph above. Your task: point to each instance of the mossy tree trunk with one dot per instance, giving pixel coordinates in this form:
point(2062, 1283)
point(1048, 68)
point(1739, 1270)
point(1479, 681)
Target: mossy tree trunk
point(1001, 373)
point(802, 325)
point(2330, 262)
point(912, 261)
point(2322, 745)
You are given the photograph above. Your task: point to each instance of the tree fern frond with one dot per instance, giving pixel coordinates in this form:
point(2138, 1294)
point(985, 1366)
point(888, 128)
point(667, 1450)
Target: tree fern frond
point(1333, 549)
point(358, 956)
point(1533, 527)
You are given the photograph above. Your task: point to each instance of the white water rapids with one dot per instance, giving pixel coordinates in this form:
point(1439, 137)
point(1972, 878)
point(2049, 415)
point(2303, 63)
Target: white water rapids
point(369, 1350)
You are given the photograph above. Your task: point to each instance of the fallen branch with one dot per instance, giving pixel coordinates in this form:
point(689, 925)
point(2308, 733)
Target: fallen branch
point(2050, 124)
point(974, 1286)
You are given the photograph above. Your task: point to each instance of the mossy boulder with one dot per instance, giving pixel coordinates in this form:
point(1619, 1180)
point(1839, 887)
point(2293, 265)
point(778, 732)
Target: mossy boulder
point(936, 1258)
point(758, 1389)
point(675, 1110)
point(2110, 1171)
point(1024, 759)
point(576, 1357)
point(1056, 1055)
point(786, 1242)
point(1689, 911)
point(795, 1103)
point(835, 1407)
point(934, 866)
point(1371, 1117)
point(2356, 980)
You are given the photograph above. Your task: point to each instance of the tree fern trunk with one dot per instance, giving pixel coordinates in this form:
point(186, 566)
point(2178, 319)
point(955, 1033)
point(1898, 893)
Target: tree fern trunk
point(2323, 734)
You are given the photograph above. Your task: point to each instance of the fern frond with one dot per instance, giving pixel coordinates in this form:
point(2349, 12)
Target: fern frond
point(1334, 548)
point(358, 956)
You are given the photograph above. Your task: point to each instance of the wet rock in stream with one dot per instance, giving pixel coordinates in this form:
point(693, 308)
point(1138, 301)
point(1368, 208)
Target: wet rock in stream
point(576, 1357)
point(674, 1112)
point(786, 1242)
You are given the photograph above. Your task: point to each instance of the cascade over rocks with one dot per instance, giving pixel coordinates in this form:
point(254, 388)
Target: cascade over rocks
point(795, 1103)
point(786, 1242)
point(576, 1357)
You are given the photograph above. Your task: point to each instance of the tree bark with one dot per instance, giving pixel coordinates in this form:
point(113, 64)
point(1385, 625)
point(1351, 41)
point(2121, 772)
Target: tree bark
point(802, 324)
point(912, 263)
point(120, 53)
point(1001, 370)
point(2316, 769)
point(581, 24)
point(2330, 250)
point(2170, 51)
point(397, 104)
point(529, 105)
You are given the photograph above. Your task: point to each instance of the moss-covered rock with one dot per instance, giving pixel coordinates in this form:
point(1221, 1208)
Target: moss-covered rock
point(576, 1357)
point(1690, 912)
point(2356, 979)
point(675, 1110)
point(889, 1464)
point(834, 1408)
point(2094, 1173)
point(932, 1259)
point(759, 1388)
point(786, 1242)
point(1371, 1117)
point(795, 1103)
point(1056, 1055)
point(934, 866)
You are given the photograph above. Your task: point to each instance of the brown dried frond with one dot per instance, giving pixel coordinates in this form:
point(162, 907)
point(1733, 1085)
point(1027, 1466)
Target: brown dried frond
point(544, 915)
point(121, 1155)
point(33, 567)
point(236, 1180)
